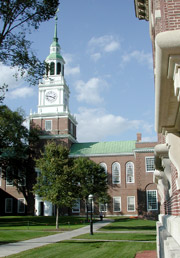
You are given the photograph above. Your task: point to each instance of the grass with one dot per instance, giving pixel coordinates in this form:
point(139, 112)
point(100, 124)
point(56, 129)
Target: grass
point(9, 236)
point(116, 236)
point(130, 224)
point(19, 228)
point(12, 230)
point(41, 223)
point(80, 249)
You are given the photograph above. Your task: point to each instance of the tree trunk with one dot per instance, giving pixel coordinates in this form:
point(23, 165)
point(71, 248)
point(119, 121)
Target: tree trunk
point(57, 217)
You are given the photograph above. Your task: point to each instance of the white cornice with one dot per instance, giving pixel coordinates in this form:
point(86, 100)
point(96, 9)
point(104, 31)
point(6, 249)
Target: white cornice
point(101, 155)
point(57, 136)
point(53, 115)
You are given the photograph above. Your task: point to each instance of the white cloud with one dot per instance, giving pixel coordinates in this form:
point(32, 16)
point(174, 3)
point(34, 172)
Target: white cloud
point(112, 46)
point(22, 92)
point(99, 45)
point(140, 57)
point(6, 76)
point(69, 68)
point(96, 56)
point(97, 125)
point(90, 91)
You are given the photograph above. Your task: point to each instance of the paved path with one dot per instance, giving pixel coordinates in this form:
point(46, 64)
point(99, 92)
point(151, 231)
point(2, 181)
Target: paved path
point(14, 248)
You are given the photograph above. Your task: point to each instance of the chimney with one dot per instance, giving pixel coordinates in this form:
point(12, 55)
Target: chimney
point(138, 137)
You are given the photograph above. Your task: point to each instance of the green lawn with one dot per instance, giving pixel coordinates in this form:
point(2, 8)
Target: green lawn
point(119, 236)
point(130, 224)
point(40, 223)
point(10, 236)
point(13, 229)
point(80, 249)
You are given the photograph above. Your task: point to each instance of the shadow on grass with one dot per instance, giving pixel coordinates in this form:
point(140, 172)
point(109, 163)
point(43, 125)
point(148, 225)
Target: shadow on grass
point(128, 228)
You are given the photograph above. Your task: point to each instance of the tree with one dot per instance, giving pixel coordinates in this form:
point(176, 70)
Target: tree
point(92, 179)
point(15, 150)
point(17, 17)
point(57, 182)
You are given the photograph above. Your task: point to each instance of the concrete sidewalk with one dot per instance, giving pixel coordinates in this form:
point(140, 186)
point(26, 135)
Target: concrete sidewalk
point(14, 248)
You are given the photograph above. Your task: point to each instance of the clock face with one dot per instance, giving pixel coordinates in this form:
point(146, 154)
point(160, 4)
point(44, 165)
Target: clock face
point(51, 96)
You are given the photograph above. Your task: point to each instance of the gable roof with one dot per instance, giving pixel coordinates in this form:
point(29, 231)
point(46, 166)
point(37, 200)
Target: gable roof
point(102, 148)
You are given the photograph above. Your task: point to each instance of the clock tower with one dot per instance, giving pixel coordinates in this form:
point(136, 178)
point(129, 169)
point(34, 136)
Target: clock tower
point(53, 116)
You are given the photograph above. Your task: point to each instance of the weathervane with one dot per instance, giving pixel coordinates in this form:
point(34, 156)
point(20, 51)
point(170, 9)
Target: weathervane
point(56, 18)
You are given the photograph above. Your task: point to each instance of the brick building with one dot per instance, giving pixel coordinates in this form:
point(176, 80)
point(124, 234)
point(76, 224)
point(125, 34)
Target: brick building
point(129, 164)
point(164, 21)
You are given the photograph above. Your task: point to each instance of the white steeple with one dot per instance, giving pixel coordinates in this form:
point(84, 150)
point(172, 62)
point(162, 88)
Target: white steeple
point(53, 90)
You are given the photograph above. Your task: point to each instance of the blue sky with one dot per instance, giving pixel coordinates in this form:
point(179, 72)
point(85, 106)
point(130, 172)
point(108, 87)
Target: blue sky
point(109, 71)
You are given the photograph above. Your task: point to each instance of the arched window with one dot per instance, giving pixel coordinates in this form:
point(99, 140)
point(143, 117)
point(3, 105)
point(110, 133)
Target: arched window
point(52, 66)
point(58, 68)
point(62, 70)
point(116, 173)
point(129, 172)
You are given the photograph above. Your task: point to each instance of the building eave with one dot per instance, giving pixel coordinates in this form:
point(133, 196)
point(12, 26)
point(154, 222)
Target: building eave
point(57, 136)
point(101, 155)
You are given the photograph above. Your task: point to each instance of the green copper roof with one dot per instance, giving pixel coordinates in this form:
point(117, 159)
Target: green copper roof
point(102, 148)
point(54, 56)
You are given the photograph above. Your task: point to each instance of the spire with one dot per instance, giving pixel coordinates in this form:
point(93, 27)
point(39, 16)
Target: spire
point(55, 39)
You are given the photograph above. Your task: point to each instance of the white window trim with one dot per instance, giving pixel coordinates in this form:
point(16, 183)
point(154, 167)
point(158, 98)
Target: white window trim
point(133, 173)
point(11, 205)
point(18, 206)
point(148, 171)
point(116, 176)
point(128, 203)
point(147, 201)
point(105, 206)
point(116, 197)
point(45, 125)
point(77, 206)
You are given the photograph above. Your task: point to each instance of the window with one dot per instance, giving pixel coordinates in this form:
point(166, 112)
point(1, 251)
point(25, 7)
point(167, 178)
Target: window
point(150, 164)
point(76, 207)
point(22, 179)
point(62, 70)
point(103, 207)
point(21, 205)
point(48, 125)
point(152, 200)
point(52, 65)
point(58, 68)
point(8, 205)
point(129, 172)
point(9, 180)
point(116, 173)
point(71, 128)
point(131, 203)
point(117, 204)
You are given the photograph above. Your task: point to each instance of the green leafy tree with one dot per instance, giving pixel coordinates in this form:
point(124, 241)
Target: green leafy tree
point(57, 182)
point(92, 179)
point(17, 19)
point(15, 151)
